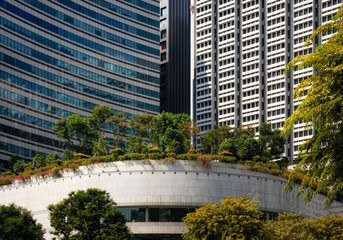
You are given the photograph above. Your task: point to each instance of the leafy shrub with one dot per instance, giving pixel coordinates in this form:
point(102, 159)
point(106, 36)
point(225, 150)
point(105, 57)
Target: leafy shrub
point(171, 155)
point(155, 156)
point(257, 158)
point(204, 160)
point(154, 150)
point(56, 163)
point(30, 170)
point(226, 153)
point(56, 172)
point(132, 156)
point(225, 159)
point(117, 152)
point(194, 156)
point(182, 157)
point(80, 156)
point(8, 174)
point(67, 155)
point(269, 168)
point(243, 148)
point(192, 151)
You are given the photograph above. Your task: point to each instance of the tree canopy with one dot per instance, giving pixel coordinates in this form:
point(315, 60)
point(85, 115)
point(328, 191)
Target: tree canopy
point(233, 218)
point(322, 109)
point(88, 215)
point(18, 223)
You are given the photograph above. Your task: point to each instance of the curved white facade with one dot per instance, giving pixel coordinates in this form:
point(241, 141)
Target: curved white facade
point(156, 184)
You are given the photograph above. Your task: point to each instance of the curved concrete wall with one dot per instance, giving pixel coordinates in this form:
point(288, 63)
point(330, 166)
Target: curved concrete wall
point(154, 183)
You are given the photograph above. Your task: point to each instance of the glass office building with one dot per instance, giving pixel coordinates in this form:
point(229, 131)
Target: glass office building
point(64, 57)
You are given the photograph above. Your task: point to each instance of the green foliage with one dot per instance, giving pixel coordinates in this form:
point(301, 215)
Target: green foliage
point(225, 159)
point(76, 127)
point(8, 174)
point(166, 120)
point(98, 118)
point(242, 149)
point(13, 160)
point(273, 142)
point(67, 155)
point(213, 138)
point(284, 162)
point(39, 161)
point(134, 145)
point(292, 226)
point(154, 150)
point(225, 153)
point(51, 157)
point(142, 124)
point(233, 218)
point(19, 167)
point(100, 148)
point(172, 141)
point(192, 151)
point(155, 156)
point(88, 214)
point(182, 157)
point(18, 223)
point(119, 124)
point(132, 156)
point(117, 152)
point(322, 110)
point(269, 168)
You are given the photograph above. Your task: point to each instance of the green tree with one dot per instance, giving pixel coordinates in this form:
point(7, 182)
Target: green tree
point(88, 215)
point(273, 142)
point(119, 125)
point(243, 149)
point(213, 138)
point(76, 127)
point(233, 218)
point(134, 144)
point(172, 141)
point(98, 118)
point(39, 161)
point(142, 124)
point(18, 223)
point(322, 110)
point(166, 120)
point(100, 148)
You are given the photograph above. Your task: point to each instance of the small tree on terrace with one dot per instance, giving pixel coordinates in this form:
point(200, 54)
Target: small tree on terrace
point(119, 124)
point(88, 215)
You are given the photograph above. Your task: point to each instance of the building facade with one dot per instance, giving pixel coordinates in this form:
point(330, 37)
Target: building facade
point(64, 57)
point(154, 195)
point(240, 50)
point(175, 56)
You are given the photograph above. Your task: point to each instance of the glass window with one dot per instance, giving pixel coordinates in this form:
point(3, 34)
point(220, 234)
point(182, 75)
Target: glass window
point(163, 12)
point(163, 34)
point(163, 23)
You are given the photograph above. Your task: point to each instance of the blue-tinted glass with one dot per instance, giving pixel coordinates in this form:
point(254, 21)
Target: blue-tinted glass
point(92, 29)
point(145, 5)
point(126, 12)
point(80, 56)
point(85, 42)
point(25, 118)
